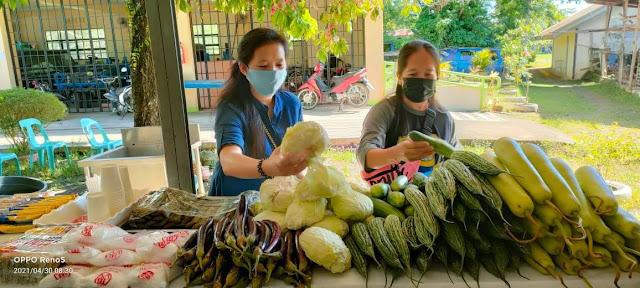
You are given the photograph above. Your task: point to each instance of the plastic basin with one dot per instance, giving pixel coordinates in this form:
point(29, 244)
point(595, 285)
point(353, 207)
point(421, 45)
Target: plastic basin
point(10, 185)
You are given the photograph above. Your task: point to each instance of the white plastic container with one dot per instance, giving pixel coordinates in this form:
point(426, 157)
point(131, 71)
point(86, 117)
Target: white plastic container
point(140, 161)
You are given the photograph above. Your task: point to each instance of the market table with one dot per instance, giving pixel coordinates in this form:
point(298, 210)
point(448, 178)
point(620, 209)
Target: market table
point(437, 277)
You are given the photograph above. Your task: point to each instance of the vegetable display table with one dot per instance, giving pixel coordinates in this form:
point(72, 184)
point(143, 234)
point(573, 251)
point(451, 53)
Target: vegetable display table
point(437, 277)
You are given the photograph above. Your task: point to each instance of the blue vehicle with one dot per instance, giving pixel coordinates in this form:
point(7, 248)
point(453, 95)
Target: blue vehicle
point(460, 58)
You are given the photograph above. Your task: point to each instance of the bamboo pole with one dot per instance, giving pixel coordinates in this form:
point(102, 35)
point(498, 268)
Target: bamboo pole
point(635, 52)
point(603, 54)
point(621, 53)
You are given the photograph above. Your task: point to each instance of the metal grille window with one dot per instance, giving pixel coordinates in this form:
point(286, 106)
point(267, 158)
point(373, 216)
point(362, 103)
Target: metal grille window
point(78, 43)
point(206, 40)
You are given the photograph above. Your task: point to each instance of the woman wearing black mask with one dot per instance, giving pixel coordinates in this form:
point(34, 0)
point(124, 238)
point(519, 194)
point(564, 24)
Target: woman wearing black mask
point(385, 150)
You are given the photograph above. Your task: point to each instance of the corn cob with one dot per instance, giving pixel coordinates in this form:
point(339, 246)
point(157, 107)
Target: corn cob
point(454, 237)
point(460, 212)
point(425, 221)
point(463, 175)
point(444, 182)
point(382, 242)
point(435, 200)
point(476, 162)
point(363, 239)
point(358, 258)
point(468, 200)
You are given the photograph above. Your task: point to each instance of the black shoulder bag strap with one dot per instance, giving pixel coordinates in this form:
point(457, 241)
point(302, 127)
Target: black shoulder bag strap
point(274, 139)
point(428, 122)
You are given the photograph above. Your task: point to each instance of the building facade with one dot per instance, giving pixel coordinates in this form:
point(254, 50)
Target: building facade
point(71, 45)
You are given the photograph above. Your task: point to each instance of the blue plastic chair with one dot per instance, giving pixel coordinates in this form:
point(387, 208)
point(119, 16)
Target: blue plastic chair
point(47, 146)
point(87, 126)
point(7, 157)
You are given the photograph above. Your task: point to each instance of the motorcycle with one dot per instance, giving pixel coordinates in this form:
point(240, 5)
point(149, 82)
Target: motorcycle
point(352, 87)
point(44, 87)
point(120, 98)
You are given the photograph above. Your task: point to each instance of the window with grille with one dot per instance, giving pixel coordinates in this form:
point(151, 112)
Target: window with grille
point(206, 39)
point(82, 44)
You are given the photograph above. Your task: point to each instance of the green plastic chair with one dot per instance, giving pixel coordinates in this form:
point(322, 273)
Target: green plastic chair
point(47, 146)
point(97, 147)
point(7, 157)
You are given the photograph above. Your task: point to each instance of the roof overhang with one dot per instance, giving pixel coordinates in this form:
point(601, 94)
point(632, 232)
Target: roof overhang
point(572, 22)
point(632, 3)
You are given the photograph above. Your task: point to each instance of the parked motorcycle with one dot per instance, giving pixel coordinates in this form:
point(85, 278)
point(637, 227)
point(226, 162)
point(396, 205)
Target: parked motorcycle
point(352, 87)
point(44, 87)
point(120, 98)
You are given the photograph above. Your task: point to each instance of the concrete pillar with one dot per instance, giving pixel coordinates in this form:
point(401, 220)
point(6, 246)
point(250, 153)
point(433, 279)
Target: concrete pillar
point(6, 66)
point(374, 55)
point(188, 65)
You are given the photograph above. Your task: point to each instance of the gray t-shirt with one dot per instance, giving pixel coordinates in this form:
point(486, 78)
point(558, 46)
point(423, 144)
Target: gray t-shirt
point(379, 127)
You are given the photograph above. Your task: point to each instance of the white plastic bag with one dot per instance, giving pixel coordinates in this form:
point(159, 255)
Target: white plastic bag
point(69, 276)
point(183, 236)
point(92, 234)
point(113, 276)
point(129, 242)
point(149, 275)
point(159, 250)
point(116, 257)
point(79, 255)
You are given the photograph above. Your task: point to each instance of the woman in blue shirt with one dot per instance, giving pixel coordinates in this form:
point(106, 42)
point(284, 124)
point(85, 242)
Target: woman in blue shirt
point(251, 105)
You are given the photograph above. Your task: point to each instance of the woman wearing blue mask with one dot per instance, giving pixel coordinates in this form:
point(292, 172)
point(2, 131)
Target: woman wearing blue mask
point(253, 116)
point(385, 151)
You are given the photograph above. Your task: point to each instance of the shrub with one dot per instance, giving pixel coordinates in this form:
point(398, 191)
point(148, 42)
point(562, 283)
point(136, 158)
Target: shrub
point(482, 59)
point(17, 104)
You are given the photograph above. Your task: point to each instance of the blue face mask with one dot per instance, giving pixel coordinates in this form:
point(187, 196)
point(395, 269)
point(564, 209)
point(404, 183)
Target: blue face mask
point(266, 82)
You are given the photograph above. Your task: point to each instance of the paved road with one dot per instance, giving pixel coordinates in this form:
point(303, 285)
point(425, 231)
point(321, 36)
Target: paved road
point(343, 127)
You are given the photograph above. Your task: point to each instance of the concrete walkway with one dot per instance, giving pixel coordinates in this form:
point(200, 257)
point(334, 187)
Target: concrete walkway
point(343, 127)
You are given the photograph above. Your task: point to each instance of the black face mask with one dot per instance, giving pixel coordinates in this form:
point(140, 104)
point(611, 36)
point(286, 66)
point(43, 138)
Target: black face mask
point(418, 89)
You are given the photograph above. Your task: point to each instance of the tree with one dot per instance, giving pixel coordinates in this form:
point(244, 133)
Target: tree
point(398, 17)
point(12, 3)
point(539, 14)
point(291, 17)
point(457, 23)
point(143, 80)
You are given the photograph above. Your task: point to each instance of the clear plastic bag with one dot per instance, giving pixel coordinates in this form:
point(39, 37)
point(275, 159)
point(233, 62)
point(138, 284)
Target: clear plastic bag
point(176, 209)
point(149, 275)
point(118, 257)
point(113, 276)
point(68, 277)
point(90, 234)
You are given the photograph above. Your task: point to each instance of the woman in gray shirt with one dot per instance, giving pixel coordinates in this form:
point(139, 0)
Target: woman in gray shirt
point(385, 152)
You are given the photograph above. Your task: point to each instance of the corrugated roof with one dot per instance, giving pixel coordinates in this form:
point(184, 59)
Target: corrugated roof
point(571, 22)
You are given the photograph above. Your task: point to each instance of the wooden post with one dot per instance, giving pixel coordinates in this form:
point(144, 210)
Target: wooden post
point(635, 52)
point(603, 54)
point(621, 54)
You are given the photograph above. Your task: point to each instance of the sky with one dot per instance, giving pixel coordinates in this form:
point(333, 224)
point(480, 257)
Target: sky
point(577, 7)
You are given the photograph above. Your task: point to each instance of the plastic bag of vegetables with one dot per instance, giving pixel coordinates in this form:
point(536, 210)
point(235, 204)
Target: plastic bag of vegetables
point(320, 182)
point(307, 138)
point(351, 206)
point(305, 213)
point(277, 194)
point(325, 248)
point(334, 224)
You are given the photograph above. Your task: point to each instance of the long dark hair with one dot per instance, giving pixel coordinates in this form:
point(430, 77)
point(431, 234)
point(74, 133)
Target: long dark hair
point(237, 91)
point(406, 51)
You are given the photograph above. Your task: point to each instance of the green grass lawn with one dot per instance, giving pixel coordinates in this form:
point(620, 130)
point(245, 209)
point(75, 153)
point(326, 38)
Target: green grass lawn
point(603, 119)
point(541, 61)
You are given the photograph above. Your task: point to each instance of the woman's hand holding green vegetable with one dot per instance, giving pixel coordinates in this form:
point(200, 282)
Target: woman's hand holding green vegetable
point(279, 164)
point(409, 151)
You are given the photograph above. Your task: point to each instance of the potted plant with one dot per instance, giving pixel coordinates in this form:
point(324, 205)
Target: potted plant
point(481, 60)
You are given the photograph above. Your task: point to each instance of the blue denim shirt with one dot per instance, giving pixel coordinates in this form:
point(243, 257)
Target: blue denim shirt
point(231, 128)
